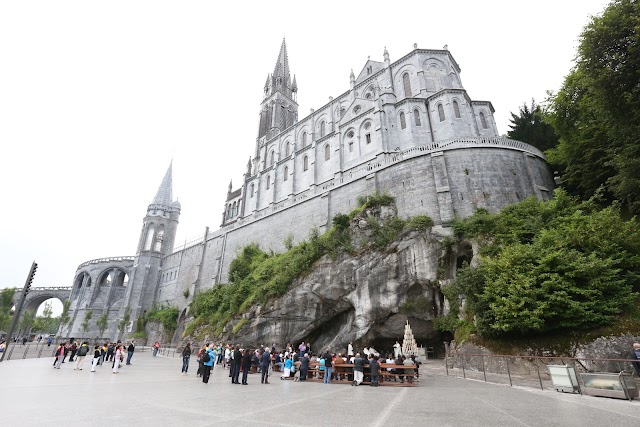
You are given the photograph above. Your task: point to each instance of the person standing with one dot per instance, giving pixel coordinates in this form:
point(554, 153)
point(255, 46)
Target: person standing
point(110, 351)
point(82, 353)
point(304, 367)
point(235, 365)
point(186, 355)
point(302, 348)
point(97, 356)
point(130, 351)
point(59, 356)
point(328, 367)
point(74, 350)
point(208, 357)
point(635, 354)
point(49, 341)
point(350, 350)
point(358, 370)
point(374, 366)
point(246, 365)
point(265, 363)
point(156, 347)
point(118, 359)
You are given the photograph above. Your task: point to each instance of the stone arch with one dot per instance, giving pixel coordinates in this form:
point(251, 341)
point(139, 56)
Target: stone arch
point(482, 117)
point(411, 72)
point(455, 105)
point(80, 283)
point(435, 74)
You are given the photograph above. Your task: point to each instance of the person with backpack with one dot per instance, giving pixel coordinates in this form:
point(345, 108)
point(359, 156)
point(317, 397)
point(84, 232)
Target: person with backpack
point(208, 357)
point(74, 350)
point(59, 356)
point(82, 353)
point(200, 362)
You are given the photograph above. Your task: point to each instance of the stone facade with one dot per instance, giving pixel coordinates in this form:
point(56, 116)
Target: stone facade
point(408, 128)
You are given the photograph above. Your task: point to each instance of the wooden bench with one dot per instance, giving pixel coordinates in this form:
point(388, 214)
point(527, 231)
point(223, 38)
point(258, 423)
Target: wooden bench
point(345, 373)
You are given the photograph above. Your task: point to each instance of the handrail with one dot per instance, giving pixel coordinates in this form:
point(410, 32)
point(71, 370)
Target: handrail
point(546, 357)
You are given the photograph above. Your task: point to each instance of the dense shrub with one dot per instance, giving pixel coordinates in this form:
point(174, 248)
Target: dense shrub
point(556, 265)
point(420, 223)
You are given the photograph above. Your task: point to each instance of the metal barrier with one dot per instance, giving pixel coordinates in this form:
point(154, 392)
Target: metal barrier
point(525, 374)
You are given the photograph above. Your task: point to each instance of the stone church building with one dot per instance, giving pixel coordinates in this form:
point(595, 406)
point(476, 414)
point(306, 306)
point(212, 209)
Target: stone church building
point(407, 127)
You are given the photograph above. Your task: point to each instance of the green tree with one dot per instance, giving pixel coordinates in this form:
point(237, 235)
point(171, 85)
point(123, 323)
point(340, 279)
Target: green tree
point(122, 325)
point(6, 304)
point(87, 321)
point(46, 322)
point(530, 127)
point(596, 113)
point(102, 323)
point(65, 317)
point(26, 323)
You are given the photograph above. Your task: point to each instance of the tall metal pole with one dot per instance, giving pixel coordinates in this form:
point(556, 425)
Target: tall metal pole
point(16, 313)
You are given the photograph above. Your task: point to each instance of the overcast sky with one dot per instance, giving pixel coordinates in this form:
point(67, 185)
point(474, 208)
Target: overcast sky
point(96, 98)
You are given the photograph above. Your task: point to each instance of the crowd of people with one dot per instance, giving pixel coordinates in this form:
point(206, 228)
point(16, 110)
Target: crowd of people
point(297, 363)
point(107, 352)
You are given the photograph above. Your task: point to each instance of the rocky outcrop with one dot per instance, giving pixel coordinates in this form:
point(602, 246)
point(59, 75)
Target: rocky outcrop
point(358, 298)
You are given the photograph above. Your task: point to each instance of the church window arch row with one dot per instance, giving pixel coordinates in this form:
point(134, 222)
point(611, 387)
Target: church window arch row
point(403, 120)
point(434, 74)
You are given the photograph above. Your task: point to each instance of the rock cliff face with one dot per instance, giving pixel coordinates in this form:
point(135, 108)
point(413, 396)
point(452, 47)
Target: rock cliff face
point(360, 298)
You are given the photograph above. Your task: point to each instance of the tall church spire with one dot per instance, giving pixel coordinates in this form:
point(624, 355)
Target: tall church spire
point(282, 64)
point(164, 196)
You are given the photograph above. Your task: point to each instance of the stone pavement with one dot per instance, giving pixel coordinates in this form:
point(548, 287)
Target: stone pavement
point(152, 391)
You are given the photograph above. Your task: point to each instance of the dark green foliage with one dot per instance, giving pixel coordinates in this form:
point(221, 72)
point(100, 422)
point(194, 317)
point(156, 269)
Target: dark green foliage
point(376, 199)
point(420, 223)
point(596, 113)
point(341, 221)
point(556, 265)
point(385, 231)
point(419, 306)
point(167, 316)
point(530, 127)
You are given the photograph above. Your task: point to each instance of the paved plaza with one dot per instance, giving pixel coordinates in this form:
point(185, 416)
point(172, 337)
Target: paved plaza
point(152, 392)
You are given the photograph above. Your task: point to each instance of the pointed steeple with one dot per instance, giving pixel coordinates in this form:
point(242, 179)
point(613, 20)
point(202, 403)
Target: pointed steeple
point(294, 86)
point(282, 64)
point(164, 196)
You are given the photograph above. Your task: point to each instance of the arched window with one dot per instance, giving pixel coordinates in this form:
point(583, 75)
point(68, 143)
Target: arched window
point(351, 146)
point(287, 149)
point(273, 158)
point(234, 210)
point(304, 139)
point(321, 129)
point(268, 182)
point(305, 163)
point(407, 84)
point(416, 116)
point(149, 240)
point(252, 190)
point(367, 137)
point(441, 112)
point(286, 173)
point(483, 121)
point(403, 122)
point(159, 239)
point(456, 109)
point(327, 152)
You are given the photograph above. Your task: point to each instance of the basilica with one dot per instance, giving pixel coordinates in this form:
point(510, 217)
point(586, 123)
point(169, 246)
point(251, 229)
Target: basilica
point(407, 128)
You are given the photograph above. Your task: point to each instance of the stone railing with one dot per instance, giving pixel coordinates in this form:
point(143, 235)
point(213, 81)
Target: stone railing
point(382, 161)
point(111, 259)
point(46, 288)
point(189, 244)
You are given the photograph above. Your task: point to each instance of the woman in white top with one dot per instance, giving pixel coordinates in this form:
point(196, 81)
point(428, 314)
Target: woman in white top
point(116, 362)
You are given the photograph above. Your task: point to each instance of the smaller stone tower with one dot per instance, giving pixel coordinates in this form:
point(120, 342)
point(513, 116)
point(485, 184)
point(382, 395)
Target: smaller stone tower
point(156, 242)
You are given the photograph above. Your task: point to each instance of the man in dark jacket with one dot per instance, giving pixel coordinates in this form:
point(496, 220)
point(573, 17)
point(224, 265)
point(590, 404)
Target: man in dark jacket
point(304, 367)
point(130, 351)
point(246, 365)
point(265, 363)
point(74, 349)
point(237, 360)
